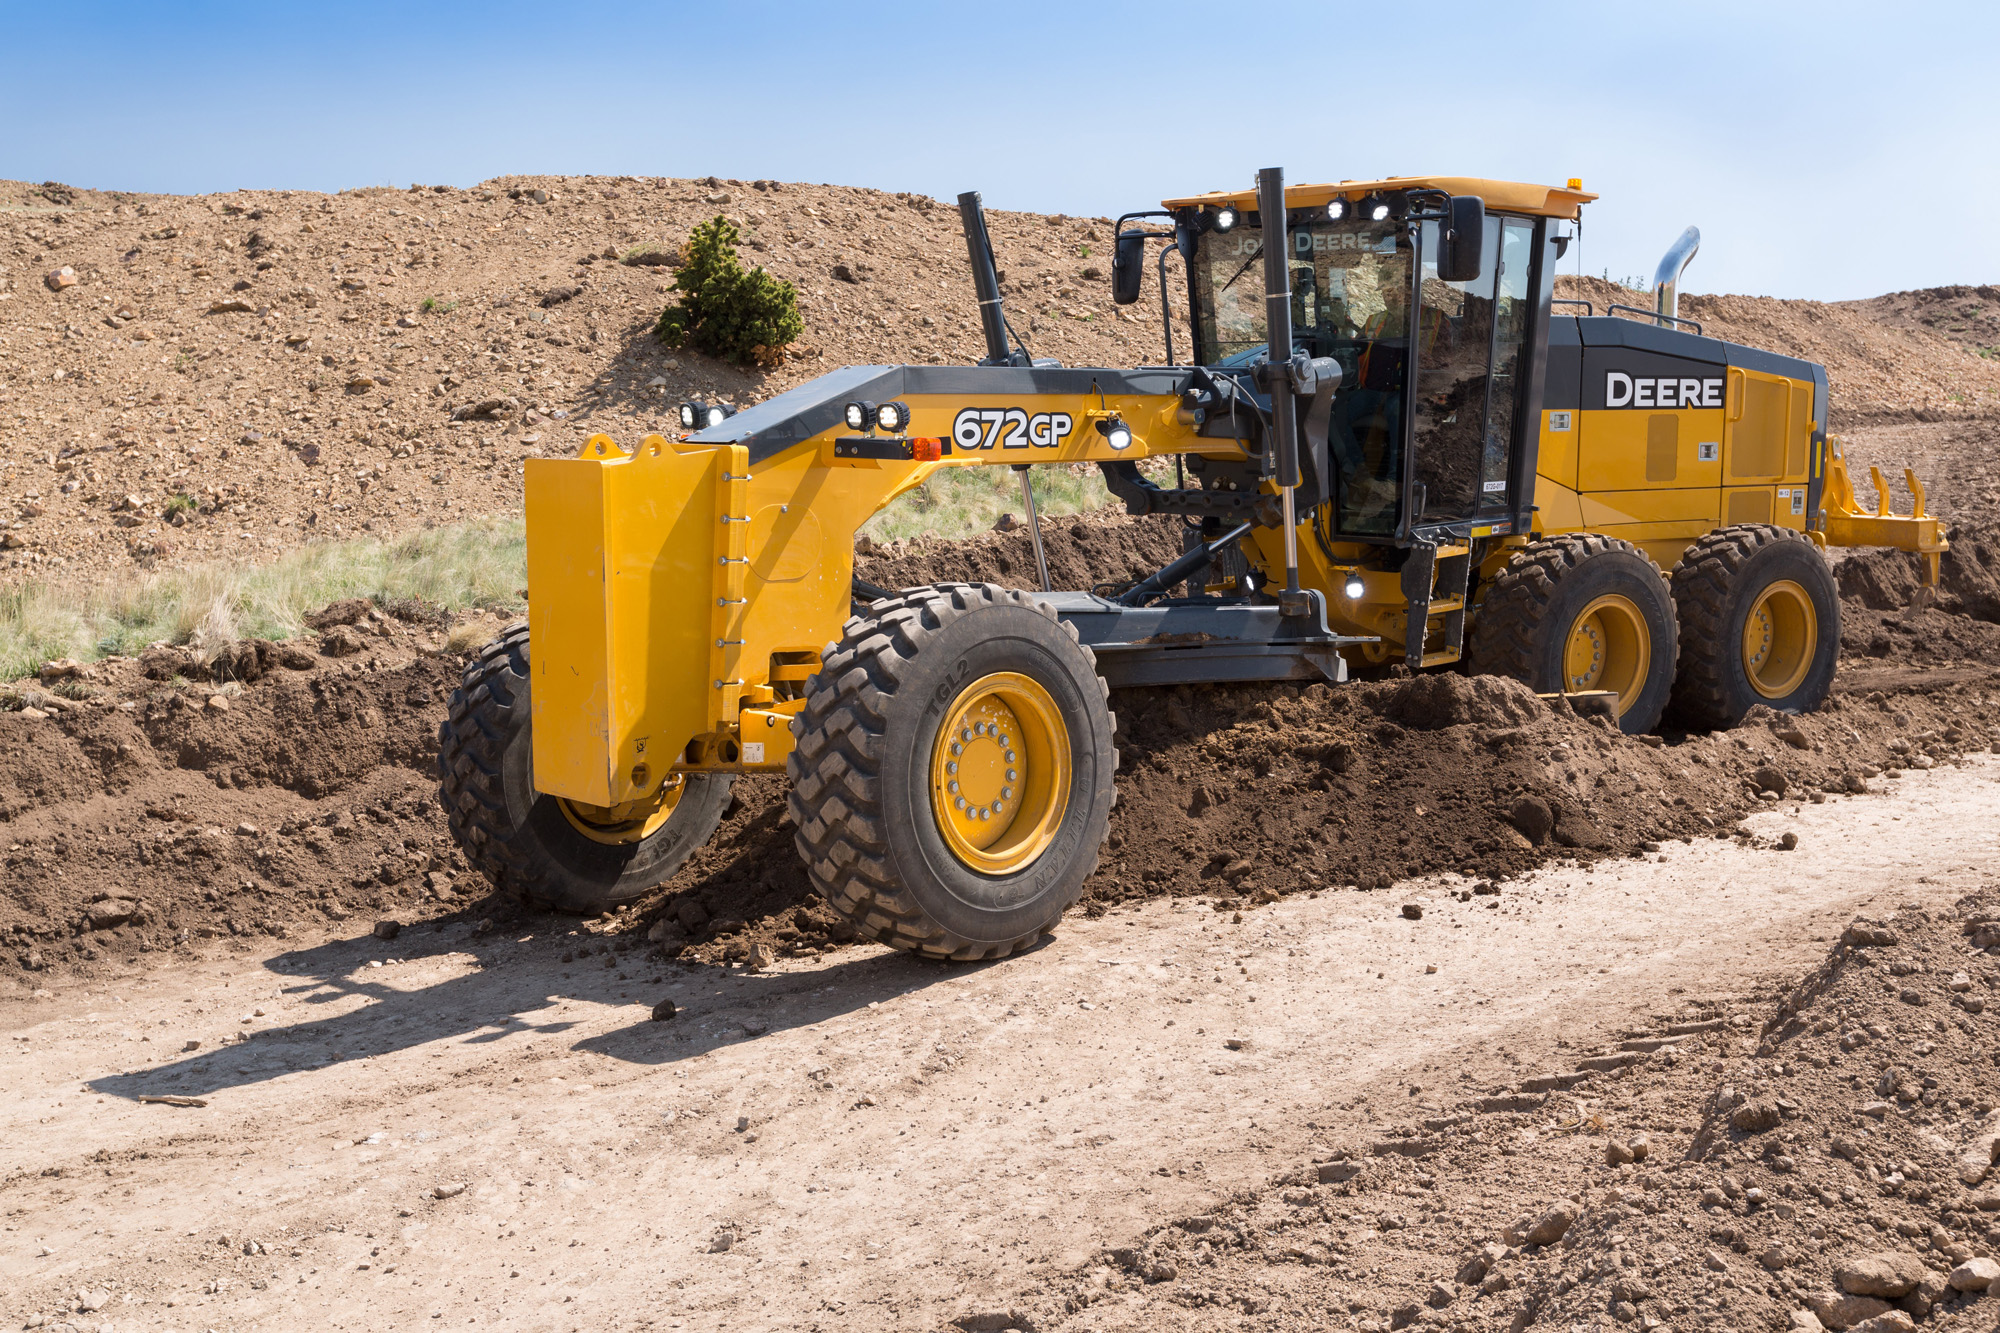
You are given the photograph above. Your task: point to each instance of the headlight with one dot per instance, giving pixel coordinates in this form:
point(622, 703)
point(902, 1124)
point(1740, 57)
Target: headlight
point(690, 416)
point(858, 415)
point(1115, 432)
point(892, 417)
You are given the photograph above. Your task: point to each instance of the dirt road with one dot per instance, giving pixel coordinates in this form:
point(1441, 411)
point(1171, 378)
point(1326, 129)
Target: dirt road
point(855, 1142)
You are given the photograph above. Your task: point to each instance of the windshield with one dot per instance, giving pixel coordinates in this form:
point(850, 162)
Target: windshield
point(1350, 301)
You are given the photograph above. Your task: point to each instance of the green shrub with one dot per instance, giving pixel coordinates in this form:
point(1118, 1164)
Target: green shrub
point(726, 310)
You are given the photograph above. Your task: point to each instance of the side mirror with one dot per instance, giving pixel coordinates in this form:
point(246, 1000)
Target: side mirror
point(1461, 239)
point(1128, 266)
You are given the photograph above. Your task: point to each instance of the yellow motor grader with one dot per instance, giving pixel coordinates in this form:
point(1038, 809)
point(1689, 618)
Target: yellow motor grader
point(1394, 446)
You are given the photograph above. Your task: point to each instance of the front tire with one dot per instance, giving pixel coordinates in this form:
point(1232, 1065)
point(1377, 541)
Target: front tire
point(952, 779)
point(1582, 612)
point(550, 852)
point(1761, 615)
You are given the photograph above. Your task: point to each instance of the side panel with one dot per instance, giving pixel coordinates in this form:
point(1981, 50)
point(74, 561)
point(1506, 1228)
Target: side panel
point(624, 575)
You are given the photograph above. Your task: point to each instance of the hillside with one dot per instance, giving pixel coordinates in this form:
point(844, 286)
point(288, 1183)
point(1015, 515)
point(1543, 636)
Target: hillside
point(233, 375)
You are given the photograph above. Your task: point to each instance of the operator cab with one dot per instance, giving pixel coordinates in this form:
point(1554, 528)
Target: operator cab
point(1433, 427)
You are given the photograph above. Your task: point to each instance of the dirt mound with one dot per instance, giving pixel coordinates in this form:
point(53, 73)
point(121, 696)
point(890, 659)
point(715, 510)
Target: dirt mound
point(1086, 550)
point(1238, 794)
point(1968, 316)
point(1828, 1147)
point(1878, 369)
point(295, 364)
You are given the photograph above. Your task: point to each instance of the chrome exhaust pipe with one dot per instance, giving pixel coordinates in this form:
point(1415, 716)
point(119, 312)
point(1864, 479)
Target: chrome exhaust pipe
point(1667, 277)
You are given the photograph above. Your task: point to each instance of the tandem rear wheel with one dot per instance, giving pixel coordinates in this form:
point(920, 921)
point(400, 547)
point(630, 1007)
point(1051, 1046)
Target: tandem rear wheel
point(1760, 624)
point(550, 851)
point(1582, 612)
point(952, 777)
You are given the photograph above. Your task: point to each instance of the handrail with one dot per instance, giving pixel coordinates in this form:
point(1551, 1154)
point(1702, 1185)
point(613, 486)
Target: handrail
point(1571, 300)
point(1653, 314)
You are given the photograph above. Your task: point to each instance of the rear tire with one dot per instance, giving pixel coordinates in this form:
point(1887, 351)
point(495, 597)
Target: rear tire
point(1761, 616)
point(1581, 612)
point(886, 738)
point(523, 840)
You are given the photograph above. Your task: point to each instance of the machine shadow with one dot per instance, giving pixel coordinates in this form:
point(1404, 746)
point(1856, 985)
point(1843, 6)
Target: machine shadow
point(521, 989)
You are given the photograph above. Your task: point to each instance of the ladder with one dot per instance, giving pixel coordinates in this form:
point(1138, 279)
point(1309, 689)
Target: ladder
point(1436, 581)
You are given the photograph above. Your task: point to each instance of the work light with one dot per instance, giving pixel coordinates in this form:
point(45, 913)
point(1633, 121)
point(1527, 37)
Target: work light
point(1224, 219)
point(892, 417)
point(1375, 208)
point(1115, 432)
point(859, 415)
point(690, 416)
point(1336, 210)
point(1353, 587)
point(700, 416)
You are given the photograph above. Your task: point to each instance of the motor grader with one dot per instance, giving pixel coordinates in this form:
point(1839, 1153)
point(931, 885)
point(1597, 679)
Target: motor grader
point(1391, 445)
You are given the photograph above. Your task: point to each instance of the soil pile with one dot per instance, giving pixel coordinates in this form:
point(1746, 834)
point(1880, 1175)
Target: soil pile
point(1828, 1148)
point(1968, 316)
point(303, 797)
point(301, 365)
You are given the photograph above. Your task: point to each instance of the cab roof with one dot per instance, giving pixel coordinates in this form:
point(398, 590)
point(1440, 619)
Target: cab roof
point(1548, 201)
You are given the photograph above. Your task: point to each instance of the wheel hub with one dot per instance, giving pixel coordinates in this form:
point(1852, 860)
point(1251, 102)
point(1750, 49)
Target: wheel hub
point(1609, 648)
point(1000, 773)
point(1780, 635)
point(631, 821)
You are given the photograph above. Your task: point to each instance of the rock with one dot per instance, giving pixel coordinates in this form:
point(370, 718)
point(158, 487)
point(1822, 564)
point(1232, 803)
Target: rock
point(761, 957)
point(1977, 1158)
point(1616, 1152)
point(1532, 816)
point(450, 1191)
point(388, 930)
point(1441, 1294)
point(691, 914)
point(1887, 1273)
point(218, 703)
point(722, 1242)
point(61, 668)
point(111, 912)
point(1335, 1173)
point(92, 1301)
point(1789, 842)
point(1975, 1275)
point(340, 641)
point(1007, 522)
point(1838, 1310)
point(295, 658)
point(1755, 1116)
point(1895, 1321)
point(1770, 779)
point(663, 1011)
point(1805, 1321)
point(1494, 1284)
point(1641, 1147)
point(234, 305)
point(1774, 1257)
point(1552, 1224)
point(1959, 981)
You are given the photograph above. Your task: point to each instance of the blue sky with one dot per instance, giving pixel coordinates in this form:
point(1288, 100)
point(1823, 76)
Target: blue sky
point(1826, 150)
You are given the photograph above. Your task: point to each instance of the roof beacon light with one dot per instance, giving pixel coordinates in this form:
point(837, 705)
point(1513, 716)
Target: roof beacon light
point(860, 416)
point(893, 417)
point(1224, 219)
point(1115, 432)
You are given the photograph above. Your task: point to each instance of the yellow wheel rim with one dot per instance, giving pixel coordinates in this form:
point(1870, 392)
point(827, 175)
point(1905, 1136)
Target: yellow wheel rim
point(634, 821)
point(1779, 638)
point(1000, 773)
point(1609, 649)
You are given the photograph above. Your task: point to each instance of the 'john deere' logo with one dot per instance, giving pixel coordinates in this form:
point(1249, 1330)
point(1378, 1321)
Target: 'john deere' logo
point(1622, 390)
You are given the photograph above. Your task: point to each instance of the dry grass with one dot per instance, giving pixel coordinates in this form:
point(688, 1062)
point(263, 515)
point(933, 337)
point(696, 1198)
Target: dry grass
point(476, 565)
point(957, 502)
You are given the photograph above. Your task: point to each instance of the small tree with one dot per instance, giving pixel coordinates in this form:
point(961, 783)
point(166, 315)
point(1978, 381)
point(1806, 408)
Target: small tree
point(726, 310)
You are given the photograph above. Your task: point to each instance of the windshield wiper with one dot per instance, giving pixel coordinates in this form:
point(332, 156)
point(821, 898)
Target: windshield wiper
point(1246, 266)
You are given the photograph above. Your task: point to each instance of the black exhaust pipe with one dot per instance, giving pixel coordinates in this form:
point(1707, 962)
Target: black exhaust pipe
point(986, 283)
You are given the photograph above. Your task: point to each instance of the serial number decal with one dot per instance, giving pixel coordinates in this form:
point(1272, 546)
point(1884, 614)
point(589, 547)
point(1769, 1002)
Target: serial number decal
point(1010, 428)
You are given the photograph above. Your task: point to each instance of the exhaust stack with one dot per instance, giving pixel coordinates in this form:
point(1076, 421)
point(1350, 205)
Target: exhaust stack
point(1667, 277)
point(986, 282)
